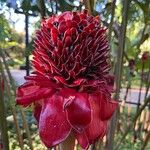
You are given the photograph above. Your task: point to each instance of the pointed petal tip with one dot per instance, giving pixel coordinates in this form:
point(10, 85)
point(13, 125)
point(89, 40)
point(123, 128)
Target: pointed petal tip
point(82, 140)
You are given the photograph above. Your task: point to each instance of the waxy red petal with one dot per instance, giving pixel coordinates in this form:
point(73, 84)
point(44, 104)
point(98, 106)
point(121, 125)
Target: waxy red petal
point(54, 35)
point(66, 16)
point(29, 93)
point(107, 107)
point(79, 112)
point(53, 125)
point(37, 111)
point(82, 140)
point(26, 100)
point(97, 128)
point(66, 92)
point(62, 27)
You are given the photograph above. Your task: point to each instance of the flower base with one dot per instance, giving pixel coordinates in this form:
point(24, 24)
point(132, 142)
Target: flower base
point(68, 144)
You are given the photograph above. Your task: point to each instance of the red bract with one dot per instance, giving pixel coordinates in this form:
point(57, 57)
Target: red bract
point(71, 86)
point(145, 56)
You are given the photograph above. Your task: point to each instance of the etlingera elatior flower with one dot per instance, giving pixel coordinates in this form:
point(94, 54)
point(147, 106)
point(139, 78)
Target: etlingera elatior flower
point(70, 87)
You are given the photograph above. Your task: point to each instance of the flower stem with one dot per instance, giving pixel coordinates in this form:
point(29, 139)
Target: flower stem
point(11, 106)
point(3, 122)
point(68, 144)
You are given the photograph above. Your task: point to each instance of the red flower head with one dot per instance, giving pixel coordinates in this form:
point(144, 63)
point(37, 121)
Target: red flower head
point(145, 56)
point(70, 88)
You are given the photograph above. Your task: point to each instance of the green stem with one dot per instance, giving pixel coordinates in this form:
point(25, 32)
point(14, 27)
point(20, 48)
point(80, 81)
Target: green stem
point(131, 126)
point(113, 4)
point(148, 83)
point(146, 141)
point(13, 110)
point(68, 144)
point(11, 80)
point(3, 122)
point(88, 5)
point(25, 125)
point(42, 8)
point(118, 73)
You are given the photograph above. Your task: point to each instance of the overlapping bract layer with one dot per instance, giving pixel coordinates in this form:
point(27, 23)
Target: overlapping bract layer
point(71, 86)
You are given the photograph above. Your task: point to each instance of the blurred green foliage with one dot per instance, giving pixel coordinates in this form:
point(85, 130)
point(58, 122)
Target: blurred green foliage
point(11, 42)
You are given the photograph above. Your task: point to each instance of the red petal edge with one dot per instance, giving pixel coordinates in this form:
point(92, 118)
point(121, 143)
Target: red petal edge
point(29, 93)
point(82, 140)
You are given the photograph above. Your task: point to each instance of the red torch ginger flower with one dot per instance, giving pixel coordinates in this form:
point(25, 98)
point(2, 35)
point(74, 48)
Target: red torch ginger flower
point(70, 87)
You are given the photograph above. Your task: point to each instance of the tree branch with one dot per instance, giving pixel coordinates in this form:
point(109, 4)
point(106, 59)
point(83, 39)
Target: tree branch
point(118, 72)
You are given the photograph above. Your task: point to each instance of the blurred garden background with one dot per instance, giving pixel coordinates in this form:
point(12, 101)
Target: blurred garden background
point(128, 31)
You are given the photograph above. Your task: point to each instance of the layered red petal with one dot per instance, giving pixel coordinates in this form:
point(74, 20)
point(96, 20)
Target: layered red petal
point(82, 140)
point(107, 107)
point(37, 111)
point(53, 125)
point(79, 111)
point(29, 93)
point(36, 88)
point(97, 128)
